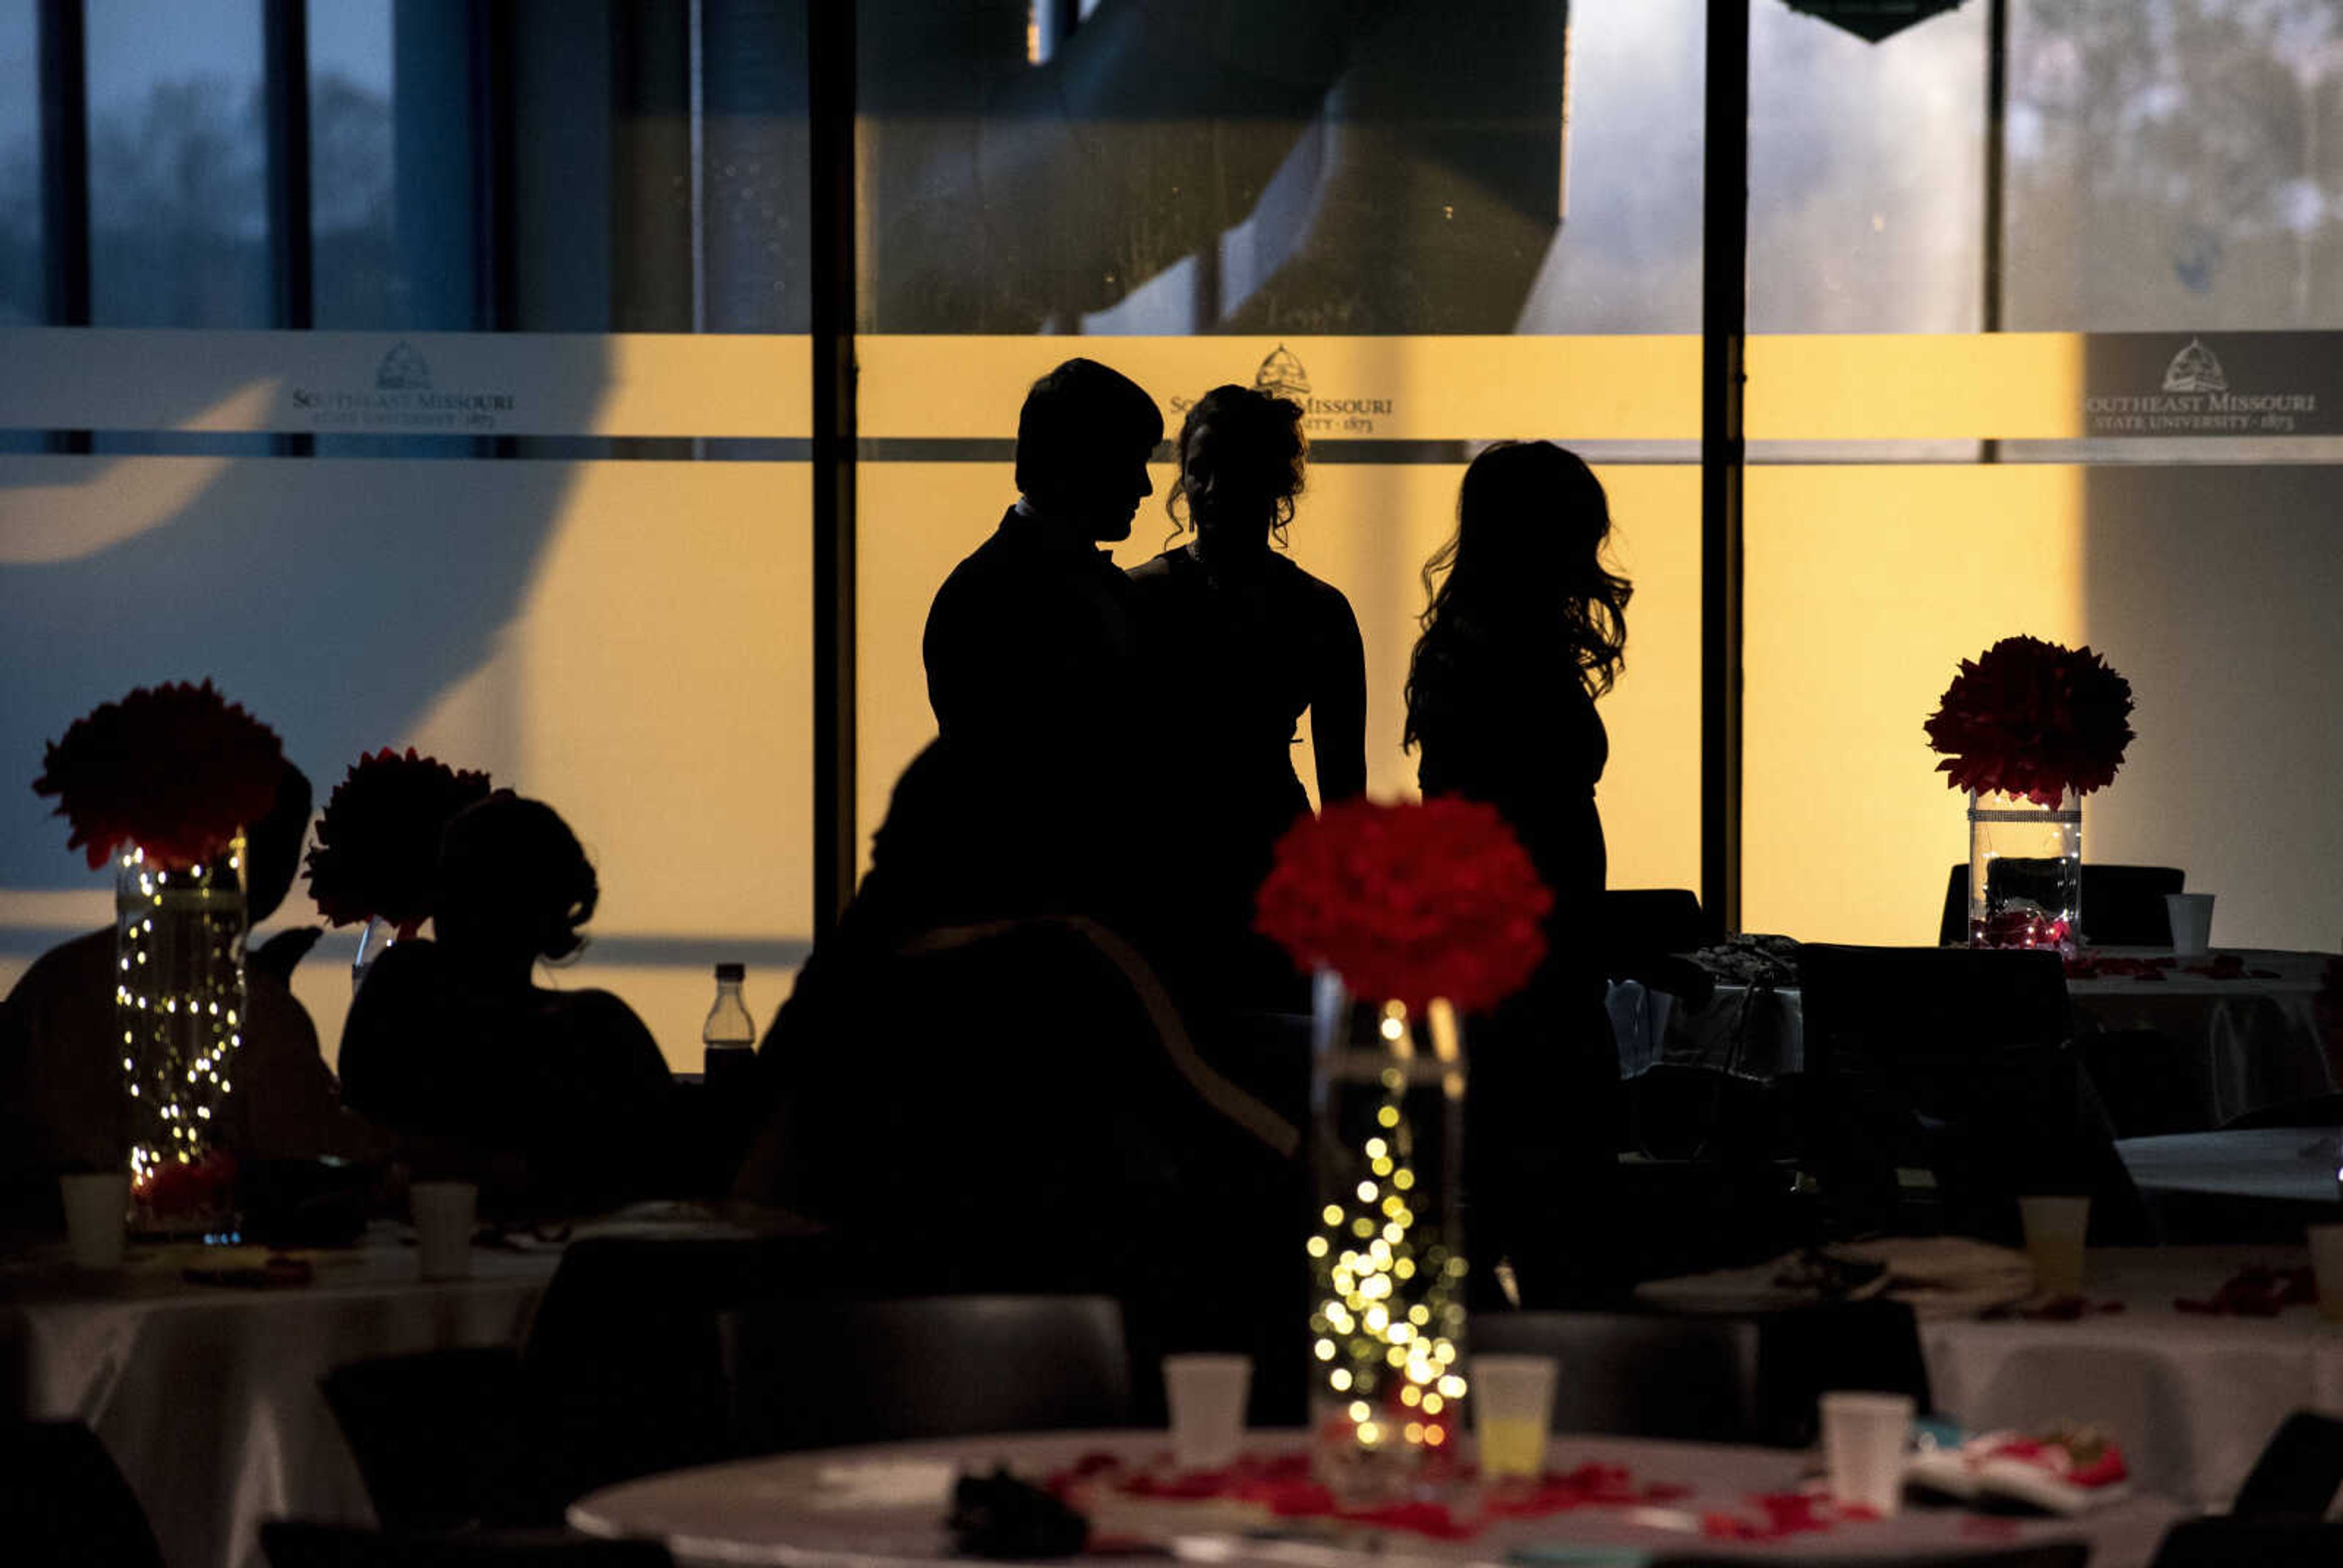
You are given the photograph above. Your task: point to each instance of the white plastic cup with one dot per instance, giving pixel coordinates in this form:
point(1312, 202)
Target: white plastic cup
point(1864, 1439)
point(97, 1213)
point(1512, 1406)
point(2191, 915)
point(2327, 1266)
point(444, 1213)
point(2054, 1230)
point(1207, 1397)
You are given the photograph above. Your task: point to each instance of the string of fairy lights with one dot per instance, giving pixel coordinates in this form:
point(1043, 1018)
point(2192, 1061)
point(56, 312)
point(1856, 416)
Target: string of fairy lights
point(179, 1001)
point(1389, 1313)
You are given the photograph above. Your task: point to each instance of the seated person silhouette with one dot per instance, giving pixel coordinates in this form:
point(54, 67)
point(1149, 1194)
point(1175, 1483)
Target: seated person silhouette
point(555, 1101)
point(1240, 642)
point(62, 1106)
point(1021, 1109)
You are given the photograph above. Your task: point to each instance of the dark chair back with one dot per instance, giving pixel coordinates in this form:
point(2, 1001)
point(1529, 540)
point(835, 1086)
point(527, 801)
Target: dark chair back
point(822, 1373)
point(1952, 1060)
point(63, 1502)
point(1654, 920)
point(2298, 1473)
point(2322, 1111)
point(2259, 1542)
point(297, 1544)
point(2123, 906)
point(442, 1438)
point(624, 1366)
point(1723, 1377)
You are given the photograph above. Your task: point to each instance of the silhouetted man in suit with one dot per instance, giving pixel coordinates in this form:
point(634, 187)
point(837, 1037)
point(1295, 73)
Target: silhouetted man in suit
point(1033, 661)
point(1032, 665)
point(1030, 643)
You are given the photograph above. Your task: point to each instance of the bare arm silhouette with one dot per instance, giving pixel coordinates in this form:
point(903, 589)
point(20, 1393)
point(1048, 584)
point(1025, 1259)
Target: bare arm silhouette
point(1338, 707)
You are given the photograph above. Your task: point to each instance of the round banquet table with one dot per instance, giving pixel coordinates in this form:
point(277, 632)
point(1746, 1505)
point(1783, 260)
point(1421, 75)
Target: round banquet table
point(2192, 1397)
point(207, 1394)
point(885, 1507)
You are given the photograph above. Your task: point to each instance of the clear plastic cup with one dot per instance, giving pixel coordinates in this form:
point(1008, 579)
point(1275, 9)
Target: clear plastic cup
point(1207, 1398)
point(2327, 1265)
point(445, 1215)
point(1864, 1436)
point(2191, 915)
point(98, 1213)
point(1512, 1406)
point(2055, 1229)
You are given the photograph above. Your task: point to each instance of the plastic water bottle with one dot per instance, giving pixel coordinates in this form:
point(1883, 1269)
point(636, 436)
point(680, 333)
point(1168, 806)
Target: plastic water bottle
point(729, 1034)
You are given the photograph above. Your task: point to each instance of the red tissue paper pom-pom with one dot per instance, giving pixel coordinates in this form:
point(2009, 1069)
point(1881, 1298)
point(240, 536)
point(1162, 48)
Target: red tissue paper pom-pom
point(2031, 718)
point(377, 851)
point(175, 770)
point(1409, 902)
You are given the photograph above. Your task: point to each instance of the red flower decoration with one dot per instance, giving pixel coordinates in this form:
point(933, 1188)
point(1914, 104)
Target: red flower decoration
point(377, 851)
point(173, 1189)
point(175, 770)
point(1409, 902)
point(2031, 718)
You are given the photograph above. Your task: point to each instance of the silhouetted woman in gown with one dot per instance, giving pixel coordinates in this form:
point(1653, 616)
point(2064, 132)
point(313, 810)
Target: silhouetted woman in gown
point(1240, 642)
point(1524, 630)
point(556, 1101)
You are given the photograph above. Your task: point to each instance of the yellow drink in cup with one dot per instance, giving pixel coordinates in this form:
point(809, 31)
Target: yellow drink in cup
point(1512, 1406)
point(1512, 1445)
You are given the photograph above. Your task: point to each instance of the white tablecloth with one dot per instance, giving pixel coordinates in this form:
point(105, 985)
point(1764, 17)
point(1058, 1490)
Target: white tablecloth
point(206, 1395)
point(2254, 1041)
point(2191, 1398)
point(2295, 1163)
point(793, 1512)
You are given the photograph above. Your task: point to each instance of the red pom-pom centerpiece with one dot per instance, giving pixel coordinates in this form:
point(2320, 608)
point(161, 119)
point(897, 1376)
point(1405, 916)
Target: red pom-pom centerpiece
point(175, 769)
point(1409, 902)
point(377, 851)
point(2033, 719)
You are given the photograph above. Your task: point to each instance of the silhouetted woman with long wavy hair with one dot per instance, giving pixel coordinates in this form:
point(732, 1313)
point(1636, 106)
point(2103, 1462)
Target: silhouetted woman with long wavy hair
point(1526, 629)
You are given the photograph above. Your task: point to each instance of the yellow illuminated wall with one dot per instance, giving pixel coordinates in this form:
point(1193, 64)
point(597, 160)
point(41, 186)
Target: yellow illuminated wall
point(2206, 574)
point(1864, 587)
point(650, 678)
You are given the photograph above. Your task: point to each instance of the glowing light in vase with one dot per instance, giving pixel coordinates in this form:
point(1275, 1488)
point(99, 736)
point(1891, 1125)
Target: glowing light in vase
point(179, 1003)
point(1389, 1309)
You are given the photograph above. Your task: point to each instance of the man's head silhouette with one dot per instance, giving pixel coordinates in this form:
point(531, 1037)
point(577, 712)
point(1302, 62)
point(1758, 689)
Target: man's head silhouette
point(1082, 443)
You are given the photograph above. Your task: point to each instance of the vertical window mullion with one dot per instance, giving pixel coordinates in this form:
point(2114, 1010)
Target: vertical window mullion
point(65, 176)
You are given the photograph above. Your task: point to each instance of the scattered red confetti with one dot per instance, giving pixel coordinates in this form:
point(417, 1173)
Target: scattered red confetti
point(1282, 1484)
point(2255, 1290)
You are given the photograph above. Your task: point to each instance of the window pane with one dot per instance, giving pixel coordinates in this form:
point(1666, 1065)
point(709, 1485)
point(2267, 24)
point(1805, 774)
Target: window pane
point(353, 217)
point(2179, 163)
point(1942, 499)
point(23, 287)
point(179, 157)
point(1867, 175)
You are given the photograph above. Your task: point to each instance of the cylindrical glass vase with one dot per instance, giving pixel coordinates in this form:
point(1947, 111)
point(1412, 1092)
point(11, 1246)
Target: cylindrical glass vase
point(2026, 872)
point(179, 1010)
point(1385, 1244)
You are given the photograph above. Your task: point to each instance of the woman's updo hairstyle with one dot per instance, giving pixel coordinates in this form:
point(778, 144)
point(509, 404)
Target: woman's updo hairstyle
point(513, 875)
point(1243, 456)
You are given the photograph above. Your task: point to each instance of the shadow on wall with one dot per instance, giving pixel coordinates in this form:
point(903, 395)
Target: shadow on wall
point(2214, 589)
point(317, 593)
